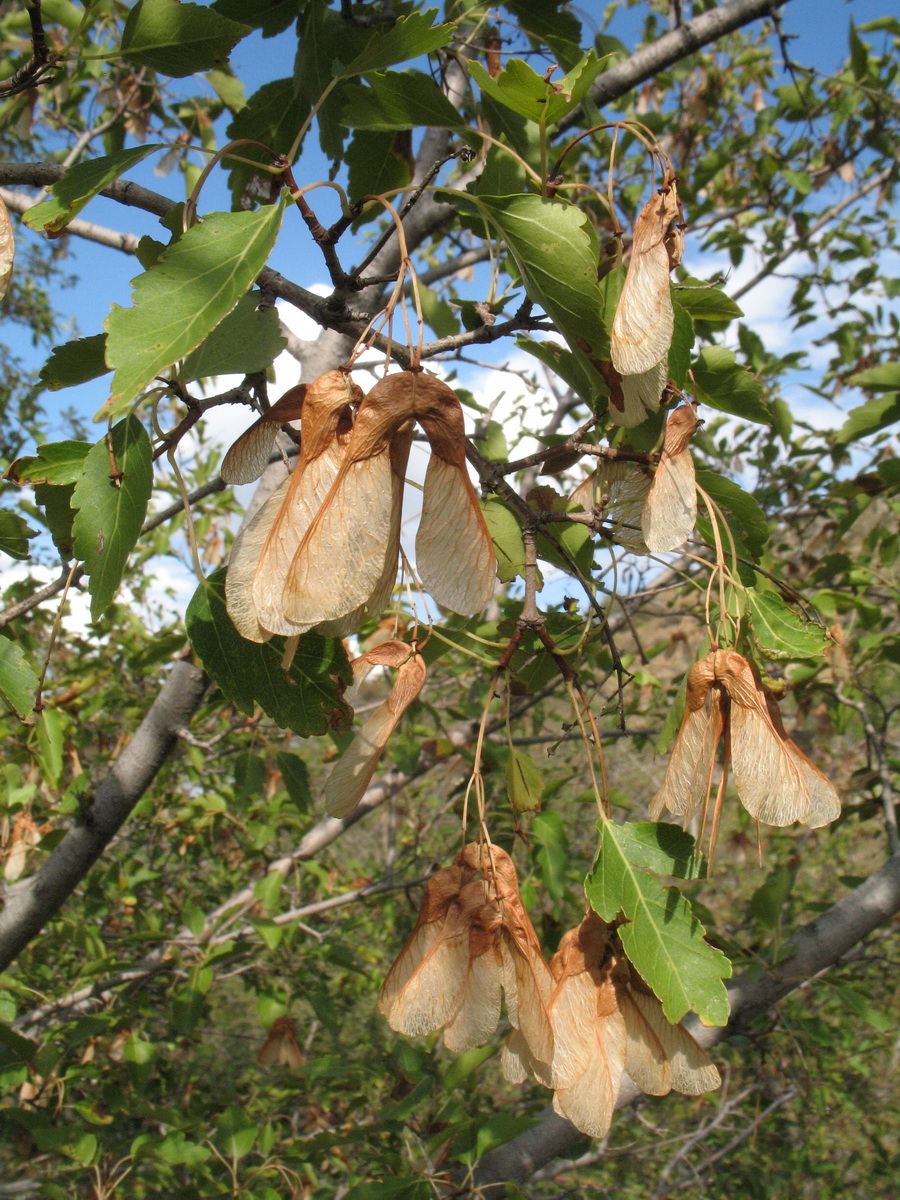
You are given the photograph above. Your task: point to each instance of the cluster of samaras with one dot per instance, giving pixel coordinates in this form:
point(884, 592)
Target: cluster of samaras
point(578, 1022)
point(322, 553)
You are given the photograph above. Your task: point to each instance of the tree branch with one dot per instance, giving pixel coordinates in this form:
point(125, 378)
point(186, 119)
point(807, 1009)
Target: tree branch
point(812, 949)
point(31, 905)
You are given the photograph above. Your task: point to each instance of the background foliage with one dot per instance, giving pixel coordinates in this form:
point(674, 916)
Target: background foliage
point(131, 1025)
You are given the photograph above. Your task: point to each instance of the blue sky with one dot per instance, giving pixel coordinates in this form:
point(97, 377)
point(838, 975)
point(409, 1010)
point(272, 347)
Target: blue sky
point(819, 33)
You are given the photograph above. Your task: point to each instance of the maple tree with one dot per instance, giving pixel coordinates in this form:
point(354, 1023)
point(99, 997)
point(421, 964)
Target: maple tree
point(199, 921)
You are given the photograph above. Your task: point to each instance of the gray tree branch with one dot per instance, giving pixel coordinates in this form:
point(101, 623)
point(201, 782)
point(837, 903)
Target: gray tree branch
point(812, 949)
point(31, 904)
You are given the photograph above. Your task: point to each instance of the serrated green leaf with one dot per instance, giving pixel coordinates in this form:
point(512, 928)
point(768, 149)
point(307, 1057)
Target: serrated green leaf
point(662, 937)
point(704, 302)
point(56, 501)
point(544, 101)
point(885, 378)
point(273, 115)
point(875, 414)
point(295, 776)
point(248, 339)
point(407, 38)
point(681, 347)
point(271, 16)
point(779, 632)
point(725, 385)
point(660, 847)
point(197, 281)
point(179, 39)
point(393, 100)
point(549, 833)
point(18, 682)
point(75, 362)
point(562, 362)
point(742, 509)
point(14, 534)
point(524, 782)
point(111, 504)
point(55, 462)
point(556, 251)
point(306, 699)
point(506, 534)
point(80, 184)
point(377, 163)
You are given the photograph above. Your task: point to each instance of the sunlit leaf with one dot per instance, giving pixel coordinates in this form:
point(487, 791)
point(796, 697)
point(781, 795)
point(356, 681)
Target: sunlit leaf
point(197, 281)
point(79, 184)
point(111, 500)
point(306, 699)
point(75, 362)
point(18, 682)
point(779, 632)
point(725, 385)
point(249, 339)
point(179, 39)
point(662, 938)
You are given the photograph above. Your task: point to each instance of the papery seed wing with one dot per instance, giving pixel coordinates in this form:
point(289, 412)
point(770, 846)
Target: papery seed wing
point(641, 395)
point(308, 487)
point(249, 456)
point(434, 964)
point(690, 1069)
point(377, 602)
point(351, 776)
point(454, 552)
point(617, 490)
point(516, 1061)
point(342, 556)
point(824, 801)
point(670, 511)
point(645, 1058)
point(7, 249)
point(526, 983)
point(689, 771)
point(767, 777)
point(479, 1009)
point(242, 564)
point(644, 322)
point(589, 1102)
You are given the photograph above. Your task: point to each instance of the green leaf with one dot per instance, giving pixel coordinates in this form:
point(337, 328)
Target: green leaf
point(377, 163)
point(14, 534)
point(51, 729)
point(248, 339)
point(533, 96)
point(398, 100)
point(111, 507)
point(562, 362)
point(306, 699)
point(84, 1149)
point(524, 782)
point(18, 682)
point(704, 302)
point(295, 776)
point(885, 378)
point(745, 515)
point(55, 462)
point(662, 937)
point(273, 115)
point(271, 16)
point(727, 386)
point(75, 362)
point(769, 899)
point(681, 347)
point(662, 848)
point(56, 502)
point(79, 185)
point(556, 251)
point(506, 534)
point(197, 281)
point(407, 38)
point(779, 632)
point(875, 414)
point(23, 1047)
point(553, 856)
point(179, 39)
point(237, 1132)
